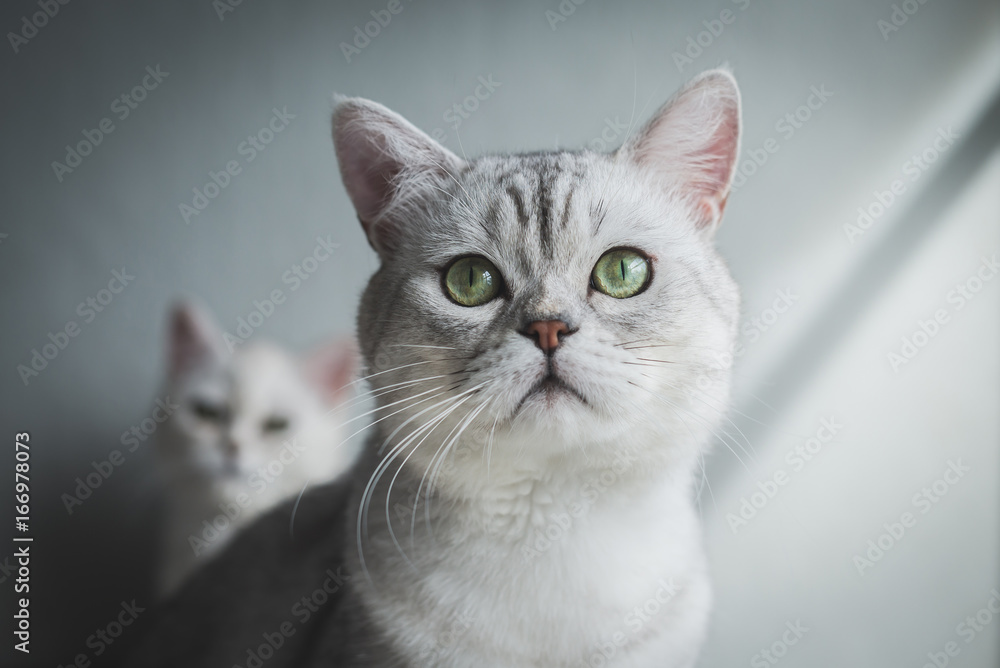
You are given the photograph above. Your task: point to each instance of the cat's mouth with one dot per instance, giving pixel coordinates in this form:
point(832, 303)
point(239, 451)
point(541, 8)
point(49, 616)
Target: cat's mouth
point(550, 387)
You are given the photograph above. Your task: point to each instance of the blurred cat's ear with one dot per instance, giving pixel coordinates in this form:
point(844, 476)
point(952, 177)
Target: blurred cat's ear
point(692, 144)
point(332, 368)
point(387, 166)
point(194, 338)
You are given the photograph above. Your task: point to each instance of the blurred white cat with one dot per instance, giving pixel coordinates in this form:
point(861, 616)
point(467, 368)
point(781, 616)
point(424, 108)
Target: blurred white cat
point(255, 426)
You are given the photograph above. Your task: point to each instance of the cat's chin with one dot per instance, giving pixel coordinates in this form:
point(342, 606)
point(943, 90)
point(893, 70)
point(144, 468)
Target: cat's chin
point(223, 470)
point(550, 394)
point(559, 417)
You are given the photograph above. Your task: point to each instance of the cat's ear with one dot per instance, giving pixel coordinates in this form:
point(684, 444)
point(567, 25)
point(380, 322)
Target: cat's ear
point(194, 338)
point(332, 368)
point(692, 144)
point(385, 163)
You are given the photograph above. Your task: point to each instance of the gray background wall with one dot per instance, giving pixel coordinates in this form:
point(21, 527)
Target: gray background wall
point(558, 87)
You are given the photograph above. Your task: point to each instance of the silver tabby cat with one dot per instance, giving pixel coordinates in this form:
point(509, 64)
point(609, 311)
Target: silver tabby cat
point(542, 340)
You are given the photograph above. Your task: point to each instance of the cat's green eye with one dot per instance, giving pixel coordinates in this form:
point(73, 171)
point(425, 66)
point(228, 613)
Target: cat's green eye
point(208, 411)
point(273, 424)
point(472, 281)
point(621, 273)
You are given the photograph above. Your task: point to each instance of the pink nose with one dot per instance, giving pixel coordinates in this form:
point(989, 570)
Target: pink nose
point(547, 333)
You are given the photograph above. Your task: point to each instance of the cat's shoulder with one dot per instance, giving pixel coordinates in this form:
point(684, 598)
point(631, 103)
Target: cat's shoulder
point(280, 575)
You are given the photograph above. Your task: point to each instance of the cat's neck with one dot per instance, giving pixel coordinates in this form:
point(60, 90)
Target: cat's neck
point(614, 534)
point(507, 491)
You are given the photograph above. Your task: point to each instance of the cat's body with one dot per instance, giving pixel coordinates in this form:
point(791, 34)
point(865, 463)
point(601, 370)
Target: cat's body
point(254, 426)
point(543, 342)
point(531, 576)
point(568, 601)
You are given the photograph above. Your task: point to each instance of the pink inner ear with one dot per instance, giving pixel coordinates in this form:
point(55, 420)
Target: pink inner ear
point(331, 369)
point(693, 141)
point(367, 175)
point(709, 210)
point(719, 160)
point(183, 349)
point(371, 148)
point(385, 162)
point(189, 339)
point(720, 156)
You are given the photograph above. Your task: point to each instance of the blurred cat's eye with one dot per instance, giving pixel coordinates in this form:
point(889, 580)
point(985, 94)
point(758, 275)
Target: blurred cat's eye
point(208, 411)
point(273, 424)
point(621, 273)
point(472, 281)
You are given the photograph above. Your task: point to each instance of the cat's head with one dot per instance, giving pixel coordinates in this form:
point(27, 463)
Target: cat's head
point(558, 305)
point(238, 409)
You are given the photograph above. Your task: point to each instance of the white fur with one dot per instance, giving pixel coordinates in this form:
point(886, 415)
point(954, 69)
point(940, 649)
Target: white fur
point(468, 466)
point(206, 480)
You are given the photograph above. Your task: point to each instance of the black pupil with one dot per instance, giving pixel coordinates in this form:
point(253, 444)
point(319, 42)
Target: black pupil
point(471, 275)
point(623, 268)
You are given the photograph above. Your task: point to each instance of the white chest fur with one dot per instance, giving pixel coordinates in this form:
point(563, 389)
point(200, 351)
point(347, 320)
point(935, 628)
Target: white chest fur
point(601, 569)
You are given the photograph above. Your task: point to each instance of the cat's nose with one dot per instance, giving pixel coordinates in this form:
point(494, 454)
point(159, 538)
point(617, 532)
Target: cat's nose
point(547, 334)
point(230, 448)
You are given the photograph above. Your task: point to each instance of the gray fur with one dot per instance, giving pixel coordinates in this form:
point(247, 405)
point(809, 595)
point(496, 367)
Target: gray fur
point(471, 455)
